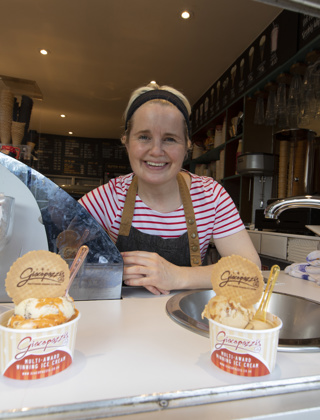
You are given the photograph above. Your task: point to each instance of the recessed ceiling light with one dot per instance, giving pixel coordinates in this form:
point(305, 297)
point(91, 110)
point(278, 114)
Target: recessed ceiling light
point(185, 14)
point(62, 116)
point(70, 132)
point(44, 52)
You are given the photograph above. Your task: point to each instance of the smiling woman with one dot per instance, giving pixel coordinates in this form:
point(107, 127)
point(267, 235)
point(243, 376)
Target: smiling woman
point(162, 217)
point(156, 145)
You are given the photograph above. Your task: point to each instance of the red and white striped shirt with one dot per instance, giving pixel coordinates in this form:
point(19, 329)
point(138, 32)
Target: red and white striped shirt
point(215, 212)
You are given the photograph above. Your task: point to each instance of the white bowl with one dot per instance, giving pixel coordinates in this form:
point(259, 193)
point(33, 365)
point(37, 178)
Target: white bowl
point(36, 353)
point(245, 352)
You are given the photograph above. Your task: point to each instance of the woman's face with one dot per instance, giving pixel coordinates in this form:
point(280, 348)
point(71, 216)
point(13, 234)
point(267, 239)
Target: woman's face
point(157, 145)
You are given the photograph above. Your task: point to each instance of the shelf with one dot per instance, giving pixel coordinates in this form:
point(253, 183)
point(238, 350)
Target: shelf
point(209, 156)
point(255, 138)
point(285, 68)
point(217, 118)
point(232, 177)
point(237, 137)
point(260, 85)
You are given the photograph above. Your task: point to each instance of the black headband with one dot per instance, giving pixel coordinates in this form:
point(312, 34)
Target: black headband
point(158, 94)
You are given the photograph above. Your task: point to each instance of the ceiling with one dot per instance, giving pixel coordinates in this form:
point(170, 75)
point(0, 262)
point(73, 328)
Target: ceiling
point(101, 50)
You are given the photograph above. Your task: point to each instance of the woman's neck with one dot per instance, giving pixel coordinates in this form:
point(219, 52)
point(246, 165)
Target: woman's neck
point(161, 198)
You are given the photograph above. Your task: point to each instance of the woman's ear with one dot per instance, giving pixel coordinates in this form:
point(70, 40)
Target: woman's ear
point(124, 140)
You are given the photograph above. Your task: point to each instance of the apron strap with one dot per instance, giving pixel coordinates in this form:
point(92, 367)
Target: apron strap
point(128, 210)
point(194, 245)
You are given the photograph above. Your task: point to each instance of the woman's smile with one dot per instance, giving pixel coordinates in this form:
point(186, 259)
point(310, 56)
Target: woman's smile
point(156, 165)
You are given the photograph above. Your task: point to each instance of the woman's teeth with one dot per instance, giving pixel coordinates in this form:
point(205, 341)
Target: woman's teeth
point(155, 164)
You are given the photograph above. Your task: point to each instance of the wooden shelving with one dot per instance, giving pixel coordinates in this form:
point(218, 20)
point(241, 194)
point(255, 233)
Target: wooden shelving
point(255, 138)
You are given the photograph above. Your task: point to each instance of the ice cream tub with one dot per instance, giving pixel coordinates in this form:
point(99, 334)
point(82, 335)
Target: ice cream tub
point(242, 351)
point(36, 353)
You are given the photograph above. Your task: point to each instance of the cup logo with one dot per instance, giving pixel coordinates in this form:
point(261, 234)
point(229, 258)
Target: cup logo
point(40, 345)
point(236, 344)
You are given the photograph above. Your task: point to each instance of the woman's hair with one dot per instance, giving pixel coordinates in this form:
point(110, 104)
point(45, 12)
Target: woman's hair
point(129, 112)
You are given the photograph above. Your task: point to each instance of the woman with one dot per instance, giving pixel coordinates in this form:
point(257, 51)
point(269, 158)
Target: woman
point(163, 223)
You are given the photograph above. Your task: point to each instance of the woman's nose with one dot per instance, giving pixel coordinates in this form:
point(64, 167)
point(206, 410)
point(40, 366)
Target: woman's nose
point(156, 147)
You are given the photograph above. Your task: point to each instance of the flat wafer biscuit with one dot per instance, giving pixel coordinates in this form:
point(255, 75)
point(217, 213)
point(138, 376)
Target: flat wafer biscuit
point(37, 274)
point(237, 279)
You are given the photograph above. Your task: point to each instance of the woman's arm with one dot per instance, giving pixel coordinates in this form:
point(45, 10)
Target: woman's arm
point(158, 275)
point(238, 244)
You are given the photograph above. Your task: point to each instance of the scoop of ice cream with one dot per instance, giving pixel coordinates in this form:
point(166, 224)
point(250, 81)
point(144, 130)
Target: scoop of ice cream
point(42, 313)
point(228, 312)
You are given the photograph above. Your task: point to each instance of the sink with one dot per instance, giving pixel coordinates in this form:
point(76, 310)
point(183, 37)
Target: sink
point(300, 317)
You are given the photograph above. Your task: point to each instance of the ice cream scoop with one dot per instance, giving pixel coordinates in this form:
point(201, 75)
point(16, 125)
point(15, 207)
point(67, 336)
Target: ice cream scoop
point(228, 312)
point(42, 313)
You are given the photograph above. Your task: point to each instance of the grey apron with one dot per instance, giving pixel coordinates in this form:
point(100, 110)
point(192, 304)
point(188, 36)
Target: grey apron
point(183, 251)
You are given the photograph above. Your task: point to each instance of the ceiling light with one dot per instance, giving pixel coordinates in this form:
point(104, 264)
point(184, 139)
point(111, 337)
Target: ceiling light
point(308, 7)
point(44, 52)
point(70, 132)
point(185, 14)
point(62, 116)
point(153, 82)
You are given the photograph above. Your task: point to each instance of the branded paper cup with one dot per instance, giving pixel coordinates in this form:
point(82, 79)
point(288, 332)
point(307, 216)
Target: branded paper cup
point(245, 352)
point(36, 353)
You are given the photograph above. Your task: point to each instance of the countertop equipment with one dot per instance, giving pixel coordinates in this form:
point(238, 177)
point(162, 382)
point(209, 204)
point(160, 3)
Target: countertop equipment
point(260, 168)
point(256, 164)
point(307, 201)
point(291, 221)
point(290, 215)
point(65, 225)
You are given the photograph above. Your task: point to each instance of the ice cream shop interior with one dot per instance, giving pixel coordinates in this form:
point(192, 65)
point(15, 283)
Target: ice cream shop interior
point(79, 337)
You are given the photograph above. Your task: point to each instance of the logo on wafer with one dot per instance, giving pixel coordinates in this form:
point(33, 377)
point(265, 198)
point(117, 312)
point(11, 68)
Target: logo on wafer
point(37, 274)
point(238, 279)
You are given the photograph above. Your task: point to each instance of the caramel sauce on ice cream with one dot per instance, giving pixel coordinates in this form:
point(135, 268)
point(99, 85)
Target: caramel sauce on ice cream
point(42, 313)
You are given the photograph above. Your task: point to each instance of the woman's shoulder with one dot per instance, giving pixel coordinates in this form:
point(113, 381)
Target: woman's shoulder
point(120, 184)
point(123, 181)
point(204, 182)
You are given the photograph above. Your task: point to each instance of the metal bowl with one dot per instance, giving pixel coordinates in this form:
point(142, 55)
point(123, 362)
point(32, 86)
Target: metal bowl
point(300, 317)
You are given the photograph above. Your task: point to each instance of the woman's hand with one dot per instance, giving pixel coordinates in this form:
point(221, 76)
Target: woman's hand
point(149, 270)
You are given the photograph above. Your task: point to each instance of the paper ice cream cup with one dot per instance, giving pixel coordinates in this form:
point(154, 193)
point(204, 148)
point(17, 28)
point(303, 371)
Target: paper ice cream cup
point(245, 352)
point(36, 353)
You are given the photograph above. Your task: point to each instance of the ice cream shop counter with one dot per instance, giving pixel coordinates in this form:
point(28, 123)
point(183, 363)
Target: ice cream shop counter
point(133, 360)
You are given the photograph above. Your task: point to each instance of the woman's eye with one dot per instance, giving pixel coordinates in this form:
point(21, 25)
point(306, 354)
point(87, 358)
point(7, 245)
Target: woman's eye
point(144, 137)
point(170, 140)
